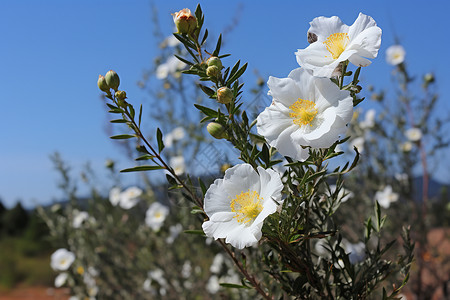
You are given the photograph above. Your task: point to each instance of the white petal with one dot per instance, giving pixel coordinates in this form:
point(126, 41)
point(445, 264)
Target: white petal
point(323, 27)
point(241, 237)
point(361, 23)
point(273, 120)
point(283, 89)
point(369, 40)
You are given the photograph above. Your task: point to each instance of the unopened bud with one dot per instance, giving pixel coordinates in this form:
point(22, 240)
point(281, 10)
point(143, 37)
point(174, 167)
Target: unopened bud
point(120, 96)
point(102, 85)
point(112, 79)
point(184, 21)
point(427, 79)
point(312, 37)
point(214, 61)
point(212, 71)
point(224, 95)
point(216, 130)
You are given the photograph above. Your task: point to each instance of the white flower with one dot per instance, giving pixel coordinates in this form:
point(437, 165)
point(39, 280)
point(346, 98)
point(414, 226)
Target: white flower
point(170, 67)
point(358, 143)
point(406, 146)
point(337, 42)
point(114, 196)
point(386, 197)
point(170, 41)
point(61, 259)
point(306, 111)
point(356, 251)
point(79, 218)
point(186, 270)
point(217, 263)
point(238, 204)
point(130, 197)
point(401, 177)
point(213, 285)
point(322, 247)
point(369, 119)
point(174, 231)
point(395, 55)
point(61, 279)
point(175, 135)
point(155, 215)
point(343, 195)
point(413, 134)
point(177, 164)
point(158, 276)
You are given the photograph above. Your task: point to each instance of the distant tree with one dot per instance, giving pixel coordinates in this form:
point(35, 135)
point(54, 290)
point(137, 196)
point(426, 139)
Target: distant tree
point(2, 212)
point(15, 220)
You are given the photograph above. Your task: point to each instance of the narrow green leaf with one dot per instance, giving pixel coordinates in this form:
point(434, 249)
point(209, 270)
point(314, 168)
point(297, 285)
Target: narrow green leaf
point(145, 157)
point(115, 111)
point(237, 75)
point(159, 138)
point(184, 60)
point(234, 286)
point(208, 91)
point(142, 168)
point(219, 43)
point(140, 115)
point(122, 136)
point(119, 121)
point(207, 111)
point(235, 68)
point(205, 36)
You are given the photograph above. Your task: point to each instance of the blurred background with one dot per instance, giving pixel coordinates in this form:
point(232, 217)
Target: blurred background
point(53, 51)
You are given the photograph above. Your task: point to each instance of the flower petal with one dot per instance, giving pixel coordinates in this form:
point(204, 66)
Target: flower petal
point(323, 27)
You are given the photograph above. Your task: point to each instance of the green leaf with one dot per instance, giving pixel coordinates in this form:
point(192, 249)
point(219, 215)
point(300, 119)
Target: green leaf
point(207, 111)
point(208, 91)
point(378, 215)
point(219, 43)
point(145, 157)
point(142, 168)
point(235, 68)
point(198, 232)
point(159, 137)
point(119, 121)
point(196, 210)
point(234, 286)
point(122, 136)
point(184, 60)
point(237, 75)
point(132, 112)
point(115, 111)
point(204, 37)
point(140, 115)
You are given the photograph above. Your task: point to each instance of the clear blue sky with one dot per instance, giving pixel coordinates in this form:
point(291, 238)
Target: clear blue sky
point(51, 53)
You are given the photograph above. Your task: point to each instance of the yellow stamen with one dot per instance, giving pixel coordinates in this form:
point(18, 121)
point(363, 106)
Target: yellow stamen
point(247, 206)
point(336, 43)
point(80, 270)
point(304, 112)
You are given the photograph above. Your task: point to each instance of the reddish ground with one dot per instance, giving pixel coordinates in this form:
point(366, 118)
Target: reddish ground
point(35, 293)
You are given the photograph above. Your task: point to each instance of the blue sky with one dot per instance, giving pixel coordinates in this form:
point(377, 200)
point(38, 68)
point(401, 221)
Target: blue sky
point(52, 53)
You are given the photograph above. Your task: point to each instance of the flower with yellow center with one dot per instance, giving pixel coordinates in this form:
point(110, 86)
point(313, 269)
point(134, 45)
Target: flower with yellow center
point(61, 259)
point(337, 42)
point(238, 204)
point(155, 215)
point(306, 112)
point(395, 55)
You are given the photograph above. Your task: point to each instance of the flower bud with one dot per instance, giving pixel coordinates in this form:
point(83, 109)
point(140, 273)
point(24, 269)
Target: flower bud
point(213, 71)
point(120, 96)
point(216, 130)
point(185, 22)
point(112, 79)
point(102, 85)
point(214, 61)
point(224, 95)
point(427, 79)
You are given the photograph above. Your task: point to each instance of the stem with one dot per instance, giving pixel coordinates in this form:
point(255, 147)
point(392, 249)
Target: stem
point(249, 277)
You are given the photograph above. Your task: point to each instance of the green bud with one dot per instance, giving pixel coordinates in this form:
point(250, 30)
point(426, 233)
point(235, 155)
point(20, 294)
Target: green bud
point(224, 95)
point(112, 79)
point(216, 130)
point(120, 96)
point(213, 71)
point(214, 61)
point(185, 22)
point(102, 85)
